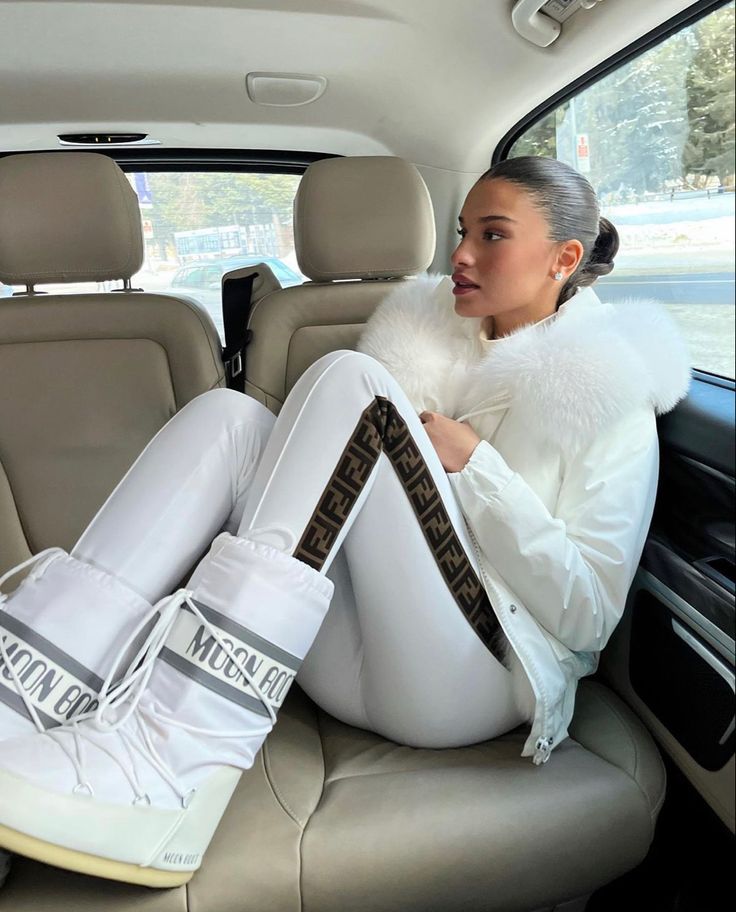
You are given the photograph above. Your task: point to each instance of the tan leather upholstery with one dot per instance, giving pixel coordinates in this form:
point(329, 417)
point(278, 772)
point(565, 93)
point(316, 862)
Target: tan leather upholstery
point(85, 379)
point(294, 327)
point(367, 217)
point(67, 217)
point(332, 818)
point(360, 225)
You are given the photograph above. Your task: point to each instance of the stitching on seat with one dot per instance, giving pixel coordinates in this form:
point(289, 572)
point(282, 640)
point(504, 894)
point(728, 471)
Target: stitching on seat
point(318, 715)
point(197, 312)
point(21, 524)
point(652, 806)
point(189, 304)
point(275, 790)
point(660, 800)
point(603, 697)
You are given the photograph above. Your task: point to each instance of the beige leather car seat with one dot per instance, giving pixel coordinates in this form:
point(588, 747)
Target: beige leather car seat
point(332, 818)
point(360, 226)
point(86, 380)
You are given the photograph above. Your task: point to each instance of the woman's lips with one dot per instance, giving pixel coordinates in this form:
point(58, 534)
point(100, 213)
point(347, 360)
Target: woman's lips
point(464, 289)
point(463, 285)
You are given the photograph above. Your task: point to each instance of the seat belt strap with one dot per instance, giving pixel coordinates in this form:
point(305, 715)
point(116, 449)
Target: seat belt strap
point(237, 294)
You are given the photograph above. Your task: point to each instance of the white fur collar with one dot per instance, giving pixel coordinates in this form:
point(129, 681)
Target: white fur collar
point(567, 378)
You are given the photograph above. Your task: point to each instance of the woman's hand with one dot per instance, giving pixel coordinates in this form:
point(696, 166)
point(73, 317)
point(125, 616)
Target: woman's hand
point(453, 440)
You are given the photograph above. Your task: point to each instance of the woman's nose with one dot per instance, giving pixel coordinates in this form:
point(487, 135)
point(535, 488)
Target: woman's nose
point(462, 254)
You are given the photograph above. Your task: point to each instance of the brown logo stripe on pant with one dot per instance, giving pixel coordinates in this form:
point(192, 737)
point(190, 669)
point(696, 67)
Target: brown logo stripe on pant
point(381, 427)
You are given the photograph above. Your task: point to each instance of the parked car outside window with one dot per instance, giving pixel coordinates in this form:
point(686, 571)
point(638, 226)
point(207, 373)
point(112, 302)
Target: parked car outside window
point(204, 282)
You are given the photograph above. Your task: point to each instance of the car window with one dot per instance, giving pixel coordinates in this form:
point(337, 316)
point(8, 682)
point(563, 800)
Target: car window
point(656, 139)
point(285, 275)
point(204, 218)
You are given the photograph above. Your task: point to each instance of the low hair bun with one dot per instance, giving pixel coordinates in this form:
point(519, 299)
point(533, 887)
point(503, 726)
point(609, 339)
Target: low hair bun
point(599, 263)
point(605, 247)
point(596, 270)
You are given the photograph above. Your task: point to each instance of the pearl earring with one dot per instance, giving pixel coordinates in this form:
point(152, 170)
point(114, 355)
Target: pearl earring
point(558, 276)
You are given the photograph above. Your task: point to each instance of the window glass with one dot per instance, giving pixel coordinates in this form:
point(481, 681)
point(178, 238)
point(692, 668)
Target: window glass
point(220, 221)
point(656, 140)
point(217, 220)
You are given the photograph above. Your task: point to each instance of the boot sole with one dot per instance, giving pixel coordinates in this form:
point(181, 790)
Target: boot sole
point(93, 865)
point(137, 845)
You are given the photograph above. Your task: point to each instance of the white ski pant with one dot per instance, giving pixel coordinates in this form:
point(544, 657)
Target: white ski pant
point(347, 480)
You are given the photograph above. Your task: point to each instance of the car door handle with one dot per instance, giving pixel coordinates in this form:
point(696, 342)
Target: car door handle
point(720, 570)
point(722, 533)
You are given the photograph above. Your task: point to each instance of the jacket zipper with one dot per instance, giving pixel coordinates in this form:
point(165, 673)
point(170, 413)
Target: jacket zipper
point(543, 744)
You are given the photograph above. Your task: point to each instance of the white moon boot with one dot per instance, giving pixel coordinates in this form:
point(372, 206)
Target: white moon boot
point(60, 632)
point(135, 790)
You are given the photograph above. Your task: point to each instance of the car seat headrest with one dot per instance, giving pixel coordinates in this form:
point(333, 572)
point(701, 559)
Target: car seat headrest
point(67, 217)
point(363, 218)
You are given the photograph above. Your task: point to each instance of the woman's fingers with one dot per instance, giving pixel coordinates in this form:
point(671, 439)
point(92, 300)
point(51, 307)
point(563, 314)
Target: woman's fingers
point(454, 441)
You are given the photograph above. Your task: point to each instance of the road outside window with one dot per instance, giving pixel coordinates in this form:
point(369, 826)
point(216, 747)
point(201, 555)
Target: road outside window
point(656, 139)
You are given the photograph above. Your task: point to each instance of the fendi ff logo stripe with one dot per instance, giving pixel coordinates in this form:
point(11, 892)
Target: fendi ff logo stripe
point(381, 428)
point(56, 685)
point(192, 649)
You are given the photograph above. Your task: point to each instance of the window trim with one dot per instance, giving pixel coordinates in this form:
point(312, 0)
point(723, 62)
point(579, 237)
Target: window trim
point(152, 158)
point(659, 34)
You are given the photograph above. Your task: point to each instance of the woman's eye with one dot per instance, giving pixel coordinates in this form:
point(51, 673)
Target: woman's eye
point(461, 231)
point(491, 235)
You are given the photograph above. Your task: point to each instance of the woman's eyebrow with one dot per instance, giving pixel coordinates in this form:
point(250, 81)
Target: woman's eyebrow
point(490, 218)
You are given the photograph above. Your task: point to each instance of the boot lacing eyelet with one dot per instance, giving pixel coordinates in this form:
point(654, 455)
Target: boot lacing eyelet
point(83, 788)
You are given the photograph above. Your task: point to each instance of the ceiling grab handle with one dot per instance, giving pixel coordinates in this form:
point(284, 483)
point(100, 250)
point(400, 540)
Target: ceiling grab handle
point(534, 26)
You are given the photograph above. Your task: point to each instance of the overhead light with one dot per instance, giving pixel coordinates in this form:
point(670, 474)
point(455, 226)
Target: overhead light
point(107, 139)
point(287, 90)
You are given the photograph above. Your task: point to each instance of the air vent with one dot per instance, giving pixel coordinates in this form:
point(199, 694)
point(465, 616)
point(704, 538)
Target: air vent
point(106, 139)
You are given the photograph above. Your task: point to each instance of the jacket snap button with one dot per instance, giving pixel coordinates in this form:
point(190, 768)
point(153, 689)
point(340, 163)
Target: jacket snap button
point(512, 609)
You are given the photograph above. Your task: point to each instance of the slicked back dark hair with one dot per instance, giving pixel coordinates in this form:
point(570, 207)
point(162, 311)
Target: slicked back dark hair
point(569, 204)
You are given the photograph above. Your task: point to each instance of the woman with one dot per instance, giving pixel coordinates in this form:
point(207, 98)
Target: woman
point(478, 480)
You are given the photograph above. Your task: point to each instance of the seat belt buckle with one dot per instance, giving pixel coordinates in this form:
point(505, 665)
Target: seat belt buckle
point(235, 364)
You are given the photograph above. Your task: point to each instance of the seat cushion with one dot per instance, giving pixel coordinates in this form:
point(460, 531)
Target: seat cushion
point(332, 817)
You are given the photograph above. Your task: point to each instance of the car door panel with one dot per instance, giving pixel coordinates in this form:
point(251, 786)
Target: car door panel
point(672, 656)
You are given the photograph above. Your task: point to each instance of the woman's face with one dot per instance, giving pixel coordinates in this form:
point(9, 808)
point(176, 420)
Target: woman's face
point(505, 261)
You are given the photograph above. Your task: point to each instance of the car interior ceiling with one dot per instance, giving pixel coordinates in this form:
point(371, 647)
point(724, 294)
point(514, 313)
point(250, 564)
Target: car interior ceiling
point(341, 817)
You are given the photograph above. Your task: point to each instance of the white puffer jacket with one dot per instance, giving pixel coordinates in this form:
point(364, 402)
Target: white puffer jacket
point(559, 494)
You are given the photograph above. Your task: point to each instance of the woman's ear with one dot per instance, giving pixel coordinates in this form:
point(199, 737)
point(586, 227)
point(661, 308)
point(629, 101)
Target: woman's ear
point(568, 257)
